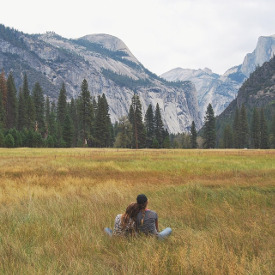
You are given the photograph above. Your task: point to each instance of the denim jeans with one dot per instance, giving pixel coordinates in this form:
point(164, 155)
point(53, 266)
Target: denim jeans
point(108, 231)
point(164, 233)
point(161, 235)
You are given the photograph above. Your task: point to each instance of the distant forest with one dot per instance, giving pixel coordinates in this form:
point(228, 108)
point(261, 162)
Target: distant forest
point(29, 119)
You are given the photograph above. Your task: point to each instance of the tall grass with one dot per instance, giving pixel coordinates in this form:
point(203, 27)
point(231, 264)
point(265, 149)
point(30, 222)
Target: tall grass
point(54, 205)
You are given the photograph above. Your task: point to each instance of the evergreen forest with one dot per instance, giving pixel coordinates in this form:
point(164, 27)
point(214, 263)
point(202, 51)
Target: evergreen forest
point(29, 119)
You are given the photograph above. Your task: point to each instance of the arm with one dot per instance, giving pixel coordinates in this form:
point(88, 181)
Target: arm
point(157, 225)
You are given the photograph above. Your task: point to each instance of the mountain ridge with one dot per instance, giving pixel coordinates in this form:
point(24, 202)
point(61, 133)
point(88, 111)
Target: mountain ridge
point(52, 60)
point(220, 90)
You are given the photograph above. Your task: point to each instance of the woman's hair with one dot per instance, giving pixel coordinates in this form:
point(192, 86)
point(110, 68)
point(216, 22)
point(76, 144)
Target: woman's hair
point(130, 213)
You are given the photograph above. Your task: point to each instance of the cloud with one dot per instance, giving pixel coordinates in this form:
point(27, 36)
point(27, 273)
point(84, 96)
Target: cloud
point(162, 34)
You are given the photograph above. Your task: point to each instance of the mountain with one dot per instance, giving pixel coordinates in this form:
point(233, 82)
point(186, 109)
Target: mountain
point(258, 91)
point(220, 90)
point(108, 66)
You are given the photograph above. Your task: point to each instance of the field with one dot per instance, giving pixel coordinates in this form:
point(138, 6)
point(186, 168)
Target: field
point(54, 204)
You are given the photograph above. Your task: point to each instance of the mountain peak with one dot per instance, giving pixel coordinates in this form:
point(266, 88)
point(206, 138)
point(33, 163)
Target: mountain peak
point(107, 41)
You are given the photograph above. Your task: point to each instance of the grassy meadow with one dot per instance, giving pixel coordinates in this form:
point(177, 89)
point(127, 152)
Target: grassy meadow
point(54, 204)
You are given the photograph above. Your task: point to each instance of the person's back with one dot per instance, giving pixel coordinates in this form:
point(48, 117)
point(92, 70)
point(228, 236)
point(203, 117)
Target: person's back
point(146, 222)
point(126, 230)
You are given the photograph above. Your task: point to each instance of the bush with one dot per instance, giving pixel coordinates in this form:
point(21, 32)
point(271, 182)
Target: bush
point(9, 141)
point(2, 139)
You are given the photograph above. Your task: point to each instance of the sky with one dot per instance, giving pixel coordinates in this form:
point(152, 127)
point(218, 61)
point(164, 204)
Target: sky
point(162, 34)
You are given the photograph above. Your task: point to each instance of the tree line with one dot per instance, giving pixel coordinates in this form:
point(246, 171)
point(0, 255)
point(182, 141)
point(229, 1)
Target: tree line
point(240, 133)
point(28, 119)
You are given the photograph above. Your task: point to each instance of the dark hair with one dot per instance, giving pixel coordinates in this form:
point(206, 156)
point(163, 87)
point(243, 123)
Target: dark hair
point(142, 203)
point(141, 199)
point(130, 213)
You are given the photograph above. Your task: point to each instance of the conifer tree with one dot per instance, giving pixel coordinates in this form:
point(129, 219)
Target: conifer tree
point(166, 140)
point(47, 115)
point(21, 122)
point(52, 127)
point(62, 105)
point(3, 88)
point(68, 131)
point(236, 129)
point(28, 116)
point(209, 128)
point(85, 111)
point(11, 103)
point(135, 118)
point(159, 129)
point(103, 126)
point(194, 143)
point(3, 95)
point(264, 131)
point(227, 137)
point(243, 128)
point(149, 126)
point(2, 112)
point(255, 129)
point(273, 132)
point(39, 104)
point(75, 119)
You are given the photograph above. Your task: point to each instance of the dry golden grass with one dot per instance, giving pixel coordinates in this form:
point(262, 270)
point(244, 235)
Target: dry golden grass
point(54, 204)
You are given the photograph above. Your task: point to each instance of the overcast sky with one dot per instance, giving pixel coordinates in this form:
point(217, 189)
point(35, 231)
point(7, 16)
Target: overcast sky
point(162, 34)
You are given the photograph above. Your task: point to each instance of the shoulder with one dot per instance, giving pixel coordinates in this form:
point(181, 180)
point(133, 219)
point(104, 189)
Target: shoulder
point(118, 217)
point(152, 213)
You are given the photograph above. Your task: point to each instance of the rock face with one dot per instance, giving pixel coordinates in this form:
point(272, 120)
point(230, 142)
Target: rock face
point(220, 90)
point(108, 66)
point(212, 88)
point(258, 91)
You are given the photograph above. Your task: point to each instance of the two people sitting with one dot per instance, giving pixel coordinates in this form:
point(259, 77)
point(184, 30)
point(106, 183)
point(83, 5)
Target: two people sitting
point(138, 218)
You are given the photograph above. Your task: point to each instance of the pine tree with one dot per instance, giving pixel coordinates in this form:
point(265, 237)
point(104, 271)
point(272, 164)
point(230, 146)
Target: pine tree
point(68, 131)
point(149, 126)
point(11, 103)
point(194, 143)
point(273, 132)
point(264, 131)
point(9, 141)
point(159, 129)
point(39, 104)
point(52, 127)
point(85, 111)
point(227, 137)
point(28, 117)
point(255, 129)
point(3, 96)
point(166, 140)
point(103, 126)
point(21, 112)
point(62, 105)
point(47, 115)
point(236, 129)
point(2, 139)
point(209, 128)
point(2, 112)
point(243, 128)
point(135, 117)
point(75, 120)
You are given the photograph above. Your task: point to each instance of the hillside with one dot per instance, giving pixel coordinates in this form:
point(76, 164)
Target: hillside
point(258, 91)
point(220, 90)
point(106, 63)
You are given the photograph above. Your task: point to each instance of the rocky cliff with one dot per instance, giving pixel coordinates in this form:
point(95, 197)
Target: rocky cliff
point(108, 66)
point(220, 90)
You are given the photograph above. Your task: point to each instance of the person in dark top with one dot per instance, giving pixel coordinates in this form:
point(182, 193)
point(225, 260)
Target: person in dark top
point(147, 220)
